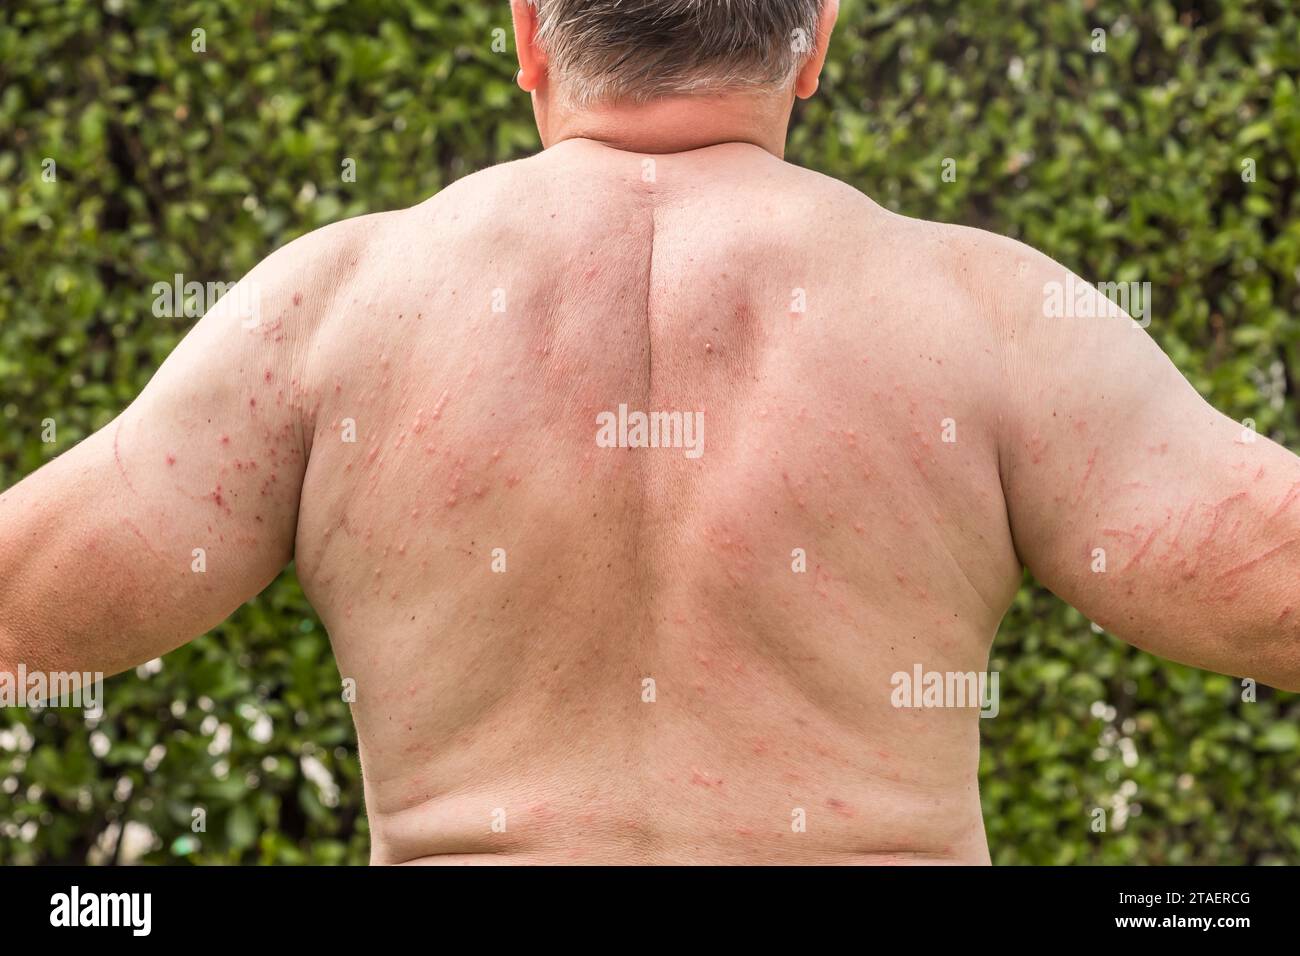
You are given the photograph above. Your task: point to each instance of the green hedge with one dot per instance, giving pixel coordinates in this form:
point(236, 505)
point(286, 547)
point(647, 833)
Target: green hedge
point(1123, 164)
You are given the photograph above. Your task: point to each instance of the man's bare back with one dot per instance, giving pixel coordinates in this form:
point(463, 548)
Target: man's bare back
point(502, 588)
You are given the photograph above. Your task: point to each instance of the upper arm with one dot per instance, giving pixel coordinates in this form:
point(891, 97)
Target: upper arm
point(1130, 497)
point(156, 527)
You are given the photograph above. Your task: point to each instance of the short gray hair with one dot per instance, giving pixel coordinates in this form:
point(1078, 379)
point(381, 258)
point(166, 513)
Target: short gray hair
point(640, 50)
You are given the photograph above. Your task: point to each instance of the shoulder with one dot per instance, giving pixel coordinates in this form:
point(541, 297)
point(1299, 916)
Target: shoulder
point(293, 287)
point(1007, 278)
point(481, 198)
point(997, 281)
point(974, 261)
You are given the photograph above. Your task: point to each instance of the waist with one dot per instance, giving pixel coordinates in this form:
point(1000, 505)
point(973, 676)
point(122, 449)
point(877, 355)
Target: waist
point(702, 817)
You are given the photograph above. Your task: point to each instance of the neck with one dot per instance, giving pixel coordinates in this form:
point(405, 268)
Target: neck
point(676, 124)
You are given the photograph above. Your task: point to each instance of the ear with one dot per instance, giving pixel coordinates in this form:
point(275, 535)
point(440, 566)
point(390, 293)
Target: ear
point(532, 61)
point(805, 84)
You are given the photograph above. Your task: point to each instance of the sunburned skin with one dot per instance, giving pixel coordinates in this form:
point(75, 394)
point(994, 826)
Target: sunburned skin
point(564, 652)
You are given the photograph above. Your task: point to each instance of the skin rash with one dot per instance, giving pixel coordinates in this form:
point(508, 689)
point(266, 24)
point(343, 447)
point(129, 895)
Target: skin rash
point(563, 652)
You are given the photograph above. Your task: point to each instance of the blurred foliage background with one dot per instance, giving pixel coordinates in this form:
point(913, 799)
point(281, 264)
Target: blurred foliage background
point(1124, 163)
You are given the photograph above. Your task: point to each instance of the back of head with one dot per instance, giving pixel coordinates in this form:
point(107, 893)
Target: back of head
point(635, 51)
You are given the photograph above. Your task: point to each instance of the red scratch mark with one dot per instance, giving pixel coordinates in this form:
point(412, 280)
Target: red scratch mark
point(1247, 565)
point(1141, 552)
point(297, 298)
point(1217, 518)
point(1223, 503)
point(1087, 473)
point(135, 530)
point(1183, 524)
point(701, 780)
point(840, 807)
point(117, 457)
point(1287, 499)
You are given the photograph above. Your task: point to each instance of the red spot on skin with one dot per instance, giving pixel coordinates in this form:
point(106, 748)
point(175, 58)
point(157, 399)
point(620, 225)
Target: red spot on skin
point(225, 439)
point(840, 807)
point(252, 403)
point(171, 459)
point(297, 298)
point(266, 376)
point(702, 780)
